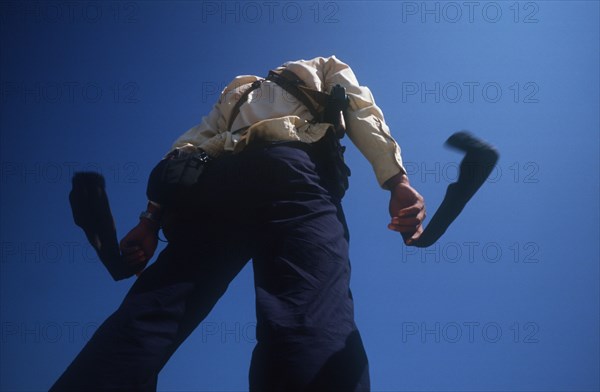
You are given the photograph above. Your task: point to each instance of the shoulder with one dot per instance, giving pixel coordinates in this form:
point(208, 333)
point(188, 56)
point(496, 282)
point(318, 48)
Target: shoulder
point(317, 62)
point(237, 86)
point(316, 71)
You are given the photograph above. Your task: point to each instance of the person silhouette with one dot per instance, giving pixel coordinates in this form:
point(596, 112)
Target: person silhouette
point(269, 192)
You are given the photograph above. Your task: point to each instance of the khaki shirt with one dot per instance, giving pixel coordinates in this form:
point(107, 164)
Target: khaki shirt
point(272, 114)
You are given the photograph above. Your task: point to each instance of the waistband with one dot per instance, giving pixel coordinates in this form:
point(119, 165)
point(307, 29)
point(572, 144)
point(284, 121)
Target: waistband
point(262, 144)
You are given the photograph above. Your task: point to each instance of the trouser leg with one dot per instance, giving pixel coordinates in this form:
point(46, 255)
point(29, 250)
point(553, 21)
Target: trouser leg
point(306, 335)
point(163, 307)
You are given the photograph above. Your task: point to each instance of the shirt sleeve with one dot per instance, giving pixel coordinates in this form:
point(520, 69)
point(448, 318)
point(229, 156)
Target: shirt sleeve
point(365, 123)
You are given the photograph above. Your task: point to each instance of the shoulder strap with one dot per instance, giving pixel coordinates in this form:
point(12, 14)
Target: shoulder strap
point(295, 86)
point(236, 109)
point(315, 101)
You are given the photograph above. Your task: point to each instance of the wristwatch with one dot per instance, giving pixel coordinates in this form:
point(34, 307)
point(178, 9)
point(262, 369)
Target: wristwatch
point(150, 216)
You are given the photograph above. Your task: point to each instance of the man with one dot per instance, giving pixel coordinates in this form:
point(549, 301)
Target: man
point(267, 195)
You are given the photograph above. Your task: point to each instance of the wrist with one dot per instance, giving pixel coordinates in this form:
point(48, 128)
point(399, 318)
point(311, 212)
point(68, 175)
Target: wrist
point(400, 178)
point(153, 211)
point(150, 220)
point(154, 208)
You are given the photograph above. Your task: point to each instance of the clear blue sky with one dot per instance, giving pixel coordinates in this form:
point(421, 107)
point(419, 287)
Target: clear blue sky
point(508, 300)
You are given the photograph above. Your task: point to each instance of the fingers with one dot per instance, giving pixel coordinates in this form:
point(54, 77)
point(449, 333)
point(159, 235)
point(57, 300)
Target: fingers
point(137, 248)
point(406, 229)
point(128, 244)
point(407, 211)
point(413, 210)
point(413, 238)
point(409, 222)
point(129, 247)
point(135, 257)
point(133, 254)
point(404, 226)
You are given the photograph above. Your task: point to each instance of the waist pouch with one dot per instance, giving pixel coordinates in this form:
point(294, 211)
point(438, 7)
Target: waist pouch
point(174, 176)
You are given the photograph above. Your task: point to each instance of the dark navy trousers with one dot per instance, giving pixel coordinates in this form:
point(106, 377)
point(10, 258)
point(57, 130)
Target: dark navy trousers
point(269, 204)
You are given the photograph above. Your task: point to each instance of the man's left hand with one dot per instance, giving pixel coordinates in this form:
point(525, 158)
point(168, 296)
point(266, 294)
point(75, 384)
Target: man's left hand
point(407, 209)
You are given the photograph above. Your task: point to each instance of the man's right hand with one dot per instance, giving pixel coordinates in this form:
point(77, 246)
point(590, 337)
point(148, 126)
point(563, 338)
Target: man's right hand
point(139, 244)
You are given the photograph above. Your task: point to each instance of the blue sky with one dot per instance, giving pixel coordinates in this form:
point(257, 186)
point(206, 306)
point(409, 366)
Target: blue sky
point(507, 300)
